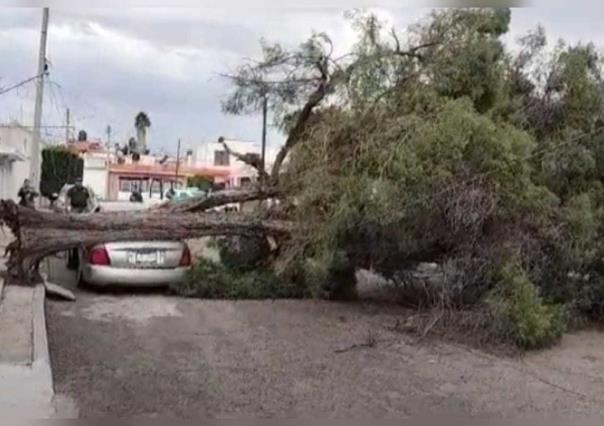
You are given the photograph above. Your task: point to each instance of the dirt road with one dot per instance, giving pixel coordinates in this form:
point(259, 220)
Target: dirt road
point(148, 354)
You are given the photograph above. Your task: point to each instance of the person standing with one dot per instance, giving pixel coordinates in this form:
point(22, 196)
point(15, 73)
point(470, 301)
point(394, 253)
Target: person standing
point(78, 197)
point(27, 195)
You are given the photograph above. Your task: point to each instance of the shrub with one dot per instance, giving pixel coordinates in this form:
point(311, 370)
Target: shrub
point(59, 166)
point(211, 280)
point(205, 183)
point(330, 275)
point(238, 252)
point(520, 314)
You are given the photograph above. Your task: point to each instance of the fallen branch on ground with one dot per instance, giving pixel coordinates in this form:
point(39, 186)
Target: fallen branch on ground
point(370, 342)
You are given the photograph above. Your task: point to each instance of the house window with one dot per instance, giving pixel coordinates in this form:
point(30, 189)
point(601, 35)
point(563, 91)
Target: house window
point(245, 181)
point(125, 185)
point(129, 185)
point(221, 158)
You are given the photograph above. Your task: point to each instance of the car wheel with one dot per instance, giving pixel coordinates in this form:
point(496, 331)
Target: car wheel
point(73, 259)
point(81, 282)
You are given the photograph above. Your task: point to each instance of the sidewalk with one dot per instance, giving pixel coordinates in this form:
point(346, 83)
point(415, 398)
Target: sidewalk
point(26, 388)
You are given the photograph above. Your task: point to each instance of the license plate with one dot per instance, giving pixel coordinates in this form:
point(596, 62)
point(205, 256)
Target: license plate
point(150, 258)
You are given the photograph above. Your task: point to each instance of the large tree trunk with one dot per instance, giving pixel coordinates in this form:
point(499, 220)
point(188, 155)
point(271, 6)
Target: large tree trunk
point(39, 233)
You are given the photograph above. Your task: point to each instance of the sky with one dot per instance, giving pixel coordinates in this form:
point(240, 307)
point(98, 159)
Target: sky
point(106, 64)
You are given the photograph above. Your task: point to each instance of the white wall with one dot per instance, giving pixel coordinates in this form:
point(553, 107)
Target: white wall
point(13, 173)
point(204, 156)
point(96, 174)
point(97, 180)
point(204, 153)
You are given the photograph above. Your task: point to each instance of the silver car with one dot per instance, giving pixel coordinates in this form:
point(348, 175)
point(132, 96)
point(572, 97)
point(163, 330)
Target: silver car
point(146, 263)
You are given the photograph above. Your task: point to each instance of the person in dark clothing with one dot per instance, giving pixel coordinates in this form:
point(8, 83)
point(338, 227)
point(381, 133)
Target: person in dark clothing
point(27, 194)
point(136, 196)
point(77, 200)
point(78, 197)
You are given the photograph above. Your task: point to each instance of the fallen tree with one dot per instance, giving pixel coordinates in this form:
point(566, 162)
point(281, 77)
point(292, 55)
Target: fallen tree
point(38, 233)
point(444, 148)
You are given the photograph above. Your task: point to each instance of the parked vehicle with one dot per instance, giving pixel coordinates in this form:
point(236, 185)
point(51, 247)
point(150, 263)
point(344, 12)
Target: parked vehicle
point(186, 193)
point(146, 263)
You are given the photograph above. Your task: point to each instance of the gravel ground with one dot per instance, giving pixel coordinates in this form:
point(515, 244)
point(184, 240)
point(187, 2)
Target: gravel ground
point(149, 355)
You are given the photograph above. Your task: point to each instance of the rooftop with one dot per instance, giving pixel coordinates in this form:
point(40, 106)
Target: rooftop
point(166, 170)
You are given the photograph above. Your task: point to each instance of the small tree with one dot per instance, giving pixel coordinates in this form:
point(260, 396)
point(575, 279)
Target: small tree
point(59, 166)
point(141, 123)
point(202, 182)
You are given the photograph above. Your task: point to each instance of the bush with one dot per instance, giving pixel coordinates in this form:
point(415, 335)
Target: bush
point(205, 183)
point(520, 314)
point(59, 166)
point(211, 280)
point(238, 252)
point(331, 276)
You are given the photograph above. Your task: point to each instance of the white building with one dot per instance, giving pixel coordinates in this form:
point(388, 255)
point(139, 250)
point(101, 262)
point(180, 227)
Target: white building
point(96, 173)
point(15, 145)
point(96, 160)
point(213, 154)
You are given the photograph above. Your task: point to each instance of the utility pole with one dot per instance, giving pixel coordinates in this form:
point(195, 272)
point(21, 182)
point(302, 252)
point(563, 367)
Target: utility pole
point(264, 111)
point(34, 172)
point(67, 125)
point(108, 130)
point(177, 158)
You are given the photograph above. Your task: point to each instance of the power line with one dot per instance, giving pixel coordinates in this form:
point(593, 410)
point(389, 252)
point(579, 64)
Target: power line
point(55, 126)
point(15, 86)
point(54, 100)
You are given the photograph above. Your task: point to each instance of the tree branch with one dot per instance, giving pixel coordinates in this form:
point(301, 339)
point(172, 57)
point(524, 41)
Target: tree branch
point(220, 198)
point(396, 40)
point(412, 52)
point(252, 160)
point(294, 135)
point(260, 81)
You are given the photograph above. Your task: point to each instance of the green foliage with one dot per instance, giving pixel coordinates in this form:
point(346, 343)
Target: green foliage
point(142, 120)
point(243, 252)
point(330, 275)
point(59, 167)
point(211, 280)
point(445, 146)
point(202, 182)
point(520, 313)
point(472, 63)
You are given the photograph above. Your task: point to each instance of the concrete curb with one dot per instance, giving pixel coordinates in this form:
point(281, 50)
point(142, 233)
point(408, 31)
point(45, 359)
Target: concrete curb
point(26, 389)
point(41, 355)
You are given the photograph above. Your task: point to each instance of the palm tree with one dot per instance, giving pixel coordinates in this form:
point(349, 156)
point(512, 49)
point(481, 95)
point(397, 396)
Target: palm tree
point(141, 123)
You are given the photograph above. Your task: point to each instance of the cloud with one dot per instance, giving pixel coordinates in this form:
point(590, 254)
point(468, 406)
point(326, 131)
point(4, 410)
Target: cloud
point(108, 64)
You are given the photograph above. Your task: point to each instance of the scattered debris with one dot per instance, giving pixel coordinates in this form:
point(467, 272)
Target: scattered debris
point(57, 290)
point(370, 342)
